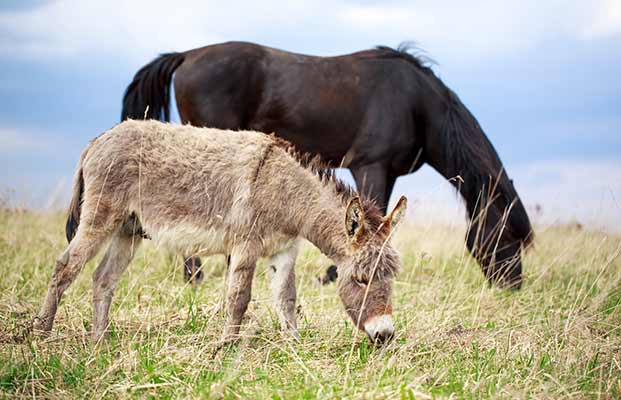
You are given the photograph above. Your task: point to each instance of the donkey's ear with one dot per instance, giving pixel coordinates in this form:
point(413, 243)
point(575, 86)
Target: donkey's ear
point(396, 215)
point(354, 218)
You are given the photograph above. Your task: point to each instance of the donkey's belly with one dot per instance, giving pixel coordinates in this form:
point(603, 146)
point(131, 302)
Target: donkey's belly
point(189, 239)
point(192, 239)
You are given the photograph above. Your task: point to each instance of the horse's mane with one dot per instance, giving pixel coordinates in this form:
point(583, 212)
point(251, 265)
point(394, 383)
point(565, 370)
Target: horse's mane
point(327, 176)
point(418, 58)
point(409, 52)
point(466, 144)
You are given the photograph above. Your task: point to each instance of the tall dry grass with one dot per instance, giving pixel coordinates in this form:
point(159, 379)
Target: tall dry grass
point(558, 337)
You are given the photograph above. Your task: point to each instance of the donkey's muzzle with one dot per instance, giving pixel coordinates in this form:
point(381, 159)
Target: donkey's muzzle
point(380, 329)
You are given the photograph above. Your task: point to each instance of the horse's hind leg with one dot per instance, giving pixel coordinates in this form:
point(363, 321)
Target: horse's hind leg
point(82, 249)
point(283, 287)
point(106, 277)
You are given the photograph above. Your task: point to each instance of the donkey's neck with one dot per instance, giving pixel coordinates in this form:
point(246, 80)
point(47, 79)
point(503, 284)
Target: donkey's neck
point(326, 230)
point(310, 206)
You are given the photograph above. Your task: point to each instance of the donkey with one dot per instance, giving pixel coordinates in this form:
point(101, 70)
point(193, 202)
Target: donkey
point(241, 193)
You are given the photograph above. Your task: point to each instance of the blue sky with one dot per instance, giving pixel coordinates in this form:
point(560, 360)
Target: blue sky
point(543, 80)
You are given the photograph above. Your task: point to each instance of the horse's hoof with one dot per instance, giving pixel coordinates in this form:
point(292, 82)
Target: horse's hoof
point(330, 276)
point(512, 284)
point(198, 276)
point(192, 271)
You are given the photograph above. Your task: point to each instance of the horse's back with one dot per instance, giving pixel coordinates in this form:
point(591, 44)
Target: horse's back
point(319, 103)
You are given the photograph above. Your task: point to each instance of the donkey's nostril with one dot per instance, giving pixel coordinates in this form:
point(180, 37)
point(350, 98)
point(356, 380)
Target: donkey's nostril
point(383, 336)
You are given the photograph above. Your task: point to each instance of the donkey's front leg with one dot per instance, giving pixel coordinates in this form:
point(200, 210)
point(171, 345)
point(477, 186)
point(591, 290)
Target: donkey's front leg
point(241, 272)
point(283, 288)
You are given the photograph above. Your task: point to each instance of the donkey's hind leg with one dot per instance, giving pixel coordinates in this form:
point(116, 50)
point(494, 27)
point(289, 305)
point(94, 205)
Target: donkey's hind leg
point(82, 249)
point(106, 277)
point(241, 272)
point(283, 287)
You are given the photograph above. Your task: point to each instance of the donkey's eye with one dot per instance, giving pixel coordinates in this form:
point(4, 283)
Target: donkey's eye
point(362, 281)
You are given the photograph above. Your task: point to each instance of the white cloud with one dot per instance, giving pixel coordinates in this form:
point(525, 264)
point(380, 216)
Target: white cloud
point(606, 20)
point(587, 191)
point(139, 29)
point(14, 141)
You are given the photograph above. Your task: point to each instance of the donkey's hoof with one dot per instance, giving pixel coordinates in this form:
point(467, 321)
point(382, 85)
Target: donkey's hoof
point(225, 342)
point(41, 326)
point(290, 334)
point(98, 337)
point(228, 339)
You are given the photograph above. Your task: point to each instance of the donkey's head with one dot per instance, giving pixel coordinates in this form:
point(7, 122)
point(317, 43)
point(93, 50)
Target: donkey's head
point(365, 278)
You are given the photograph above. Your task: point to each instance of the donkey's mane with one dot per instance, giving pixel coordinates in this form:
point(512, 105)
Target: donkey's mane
point(327, 176)
point(372, 214)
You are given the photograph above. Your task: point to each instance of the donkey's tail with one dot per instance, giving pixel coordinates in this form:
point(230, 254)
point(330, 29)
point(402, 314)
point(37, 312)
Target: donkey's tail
point(151, 88)
point(75, 207)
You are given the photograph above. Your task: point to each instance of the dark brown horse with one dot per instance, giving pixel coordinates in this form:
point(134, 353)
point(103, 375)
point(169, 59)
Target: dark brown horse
point(382, 113)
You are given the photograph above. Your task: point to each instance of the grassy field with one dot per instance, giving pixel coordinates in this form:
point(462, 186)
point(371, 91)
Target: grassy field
point(558, 337)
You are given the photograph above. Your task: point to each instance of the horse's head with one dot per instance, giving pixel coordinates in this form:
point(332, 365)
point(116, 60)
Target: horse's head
point(500, 229)
point(365, 278)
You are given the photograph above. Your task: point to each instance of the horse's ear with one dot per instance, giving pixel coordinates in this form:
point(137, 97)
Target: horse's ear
point(354, 218)
point(397, 213)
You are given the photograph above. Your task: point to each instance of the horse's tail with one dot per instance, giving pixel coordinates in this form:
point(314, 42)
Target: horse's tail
point(151, 88)
point(75, 207)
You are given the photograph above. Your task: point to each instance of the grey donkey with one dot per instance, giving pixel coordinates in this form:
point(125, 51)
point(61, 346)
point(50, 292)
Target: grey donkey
point(246, 194)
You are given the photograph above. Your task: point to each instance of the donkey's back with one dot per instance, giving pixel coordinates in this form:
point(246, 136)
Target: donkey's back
point(190, 184)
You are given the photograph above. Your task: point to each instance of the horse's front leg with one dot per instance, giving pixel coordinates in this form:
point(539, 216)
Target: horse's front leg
point(192, 270)
point(241, 272)
point(376, 182)
point(283, 288)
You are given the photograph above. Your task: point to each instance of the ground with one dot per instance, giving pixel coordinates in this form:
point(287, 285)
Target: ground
point(558, 337)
